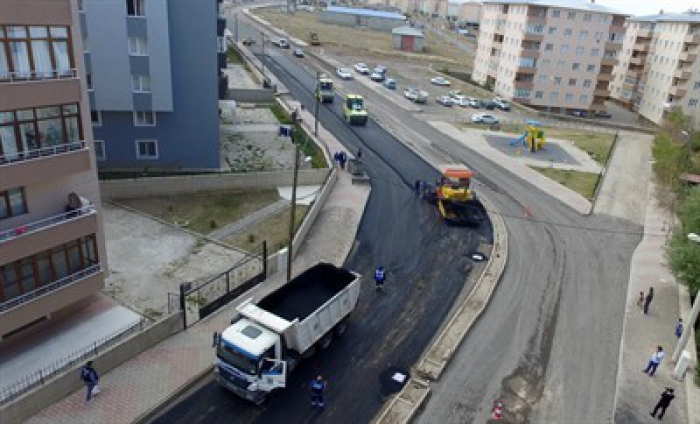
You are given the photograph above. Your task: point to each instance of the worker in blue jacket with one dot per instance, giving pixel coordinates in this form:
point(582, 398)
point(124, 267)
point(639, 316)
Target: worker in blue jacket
point(317, 387)
point(379, 277)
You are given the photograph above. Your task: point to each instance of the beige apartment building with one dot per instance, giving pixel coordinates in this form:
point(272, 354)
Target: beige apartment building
point(658, 68)
point(52, 251)
point(557, 57)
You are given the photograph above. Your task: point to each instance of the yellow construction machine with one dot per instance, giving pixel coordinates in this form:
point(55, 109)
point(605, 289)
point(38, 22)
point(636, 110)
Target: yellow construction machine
point(454, 196)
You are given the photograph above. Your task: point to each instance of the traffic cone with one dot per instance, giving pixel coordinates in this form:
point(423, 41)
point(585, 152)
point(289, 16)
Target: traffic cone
point(498, 411)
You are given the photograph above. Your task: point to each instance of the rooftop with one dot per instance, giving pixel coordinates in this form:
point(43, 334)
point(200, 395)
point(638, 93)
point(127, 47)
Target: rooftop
point(406, 30)
point(668, 17)
point(365, 12)
point(563, 4)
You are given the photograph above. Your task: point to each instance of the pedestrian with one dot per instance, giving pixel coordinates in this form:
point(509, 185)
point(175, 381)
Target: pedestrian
point(640, 300)
point(423, 186)
point(343, 159)
point(379, 277)
point(90, 377)
point(648, 299)
point(317, 387)
point(416, 186)
point(655, 360)
point(679, 328)
point(359, 154)
point(666, 398)
point(336, 159)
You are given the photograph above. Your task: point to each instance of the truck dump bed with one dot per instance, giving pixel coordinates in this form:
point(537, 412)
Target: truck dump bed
point(307, 292)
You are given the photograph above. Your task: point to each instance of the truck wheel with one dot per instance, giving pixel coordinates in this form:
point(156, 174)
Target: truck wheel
point(340, 328)
point(325, 341)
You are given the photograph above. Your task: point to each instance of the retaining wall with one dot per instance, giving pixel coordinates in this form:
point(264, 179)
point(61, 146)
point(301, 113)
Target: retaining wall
point(251, 95)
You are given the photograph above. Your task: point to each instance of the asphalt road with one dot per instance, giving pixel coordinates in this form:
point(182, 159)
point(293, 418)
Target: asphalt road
point(389, 329)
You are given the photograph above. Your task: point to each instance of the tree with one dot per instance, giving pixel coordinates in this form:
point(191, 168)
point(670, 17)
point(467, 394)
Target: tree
point(683, 254)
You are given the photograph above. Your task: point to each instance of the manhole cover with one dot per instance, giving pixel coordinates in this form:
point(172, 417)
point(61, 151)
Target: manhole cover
point(478, 257)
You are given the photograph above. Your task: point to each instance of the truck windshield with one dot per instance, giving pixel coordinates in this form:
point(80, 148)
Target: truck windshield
point(237, 359)
point(326, 85)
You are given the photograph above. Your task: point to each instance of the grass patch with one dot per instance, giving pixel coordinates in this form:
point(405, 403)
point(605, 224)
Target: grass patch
point(307, 147)
point(274, 230)
point(204, 213)
point(234, 57)
point(580, 182)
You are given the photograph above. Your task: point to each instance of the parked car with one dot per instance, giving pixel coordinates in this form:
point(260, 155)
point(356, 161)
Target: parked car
point(474, 103)
point(381, 69)
point(344, 74)
point(416, 96)
point(488, 104)
point(603, 114)
point(440, 81)
point(298, 53)
point(281, 43)
point(377, 76)
point(580, 113)
point(361, 68)
point(484, 118)
point(390, 84)
point(455, 94)
point(248, 41)
point(502, 104)
point(445, 101)
point(462, 101)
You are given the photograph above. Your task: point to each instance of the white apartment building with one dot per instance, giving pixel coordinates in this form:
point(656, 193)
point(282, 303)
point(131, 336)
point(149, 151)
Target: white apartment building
point(551, 55)
point(658, 68)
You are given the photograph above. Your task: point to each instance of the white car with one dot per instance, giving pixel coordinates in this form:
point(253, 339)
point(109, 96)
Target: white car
point(344, 74)
point(445, 101)
point(361, 68)
point(440, 81)
point(415, 95)
point(474, 103)
point(484, 118)
point(462, 101)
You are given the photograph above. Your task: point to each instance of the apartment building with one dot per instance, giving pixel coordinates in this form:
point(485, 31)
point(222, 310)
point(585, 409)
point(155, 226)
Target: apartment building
point(553, 56)
point(52, 251)
point(153, 69)
point(658, 68)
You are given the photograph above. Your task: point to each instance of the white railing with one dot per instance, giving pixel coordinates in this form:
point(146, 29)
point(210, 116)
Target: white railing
point(43, 152)
point(31, 76)
point(16, 301)
point(41, 224)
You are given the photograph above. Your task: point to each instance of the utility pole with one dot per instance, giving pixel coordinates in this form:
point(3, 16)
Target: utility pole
point(262, 56)
point(318, 100)
point(290, 248)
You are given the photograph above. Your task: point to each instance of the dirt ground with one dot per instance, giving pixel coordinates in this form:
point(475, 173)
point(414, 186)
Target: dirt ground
point(275, 230)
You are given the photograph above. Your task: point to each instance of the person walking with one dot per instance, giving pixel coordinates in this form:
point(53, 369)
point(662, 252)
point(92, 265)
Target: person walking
point(359, 154)
point(679, 328)
point(417, 186)
point(655, 360)
point(343, 159)
point(379, 277)
point(90, 377)
point(665, 401)
point(648, 299)
point(317, 387)
point(336, 159)
point(640, 300)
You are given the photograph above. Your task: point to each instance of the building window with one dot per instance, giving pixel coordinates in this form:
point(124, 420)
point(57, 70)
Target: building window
point(138, 46)
point(80, 6)
point(564, 48)
point(693, 103)
point(96, 118)
point(556, 13)
point(542, 79)
point(33, 272)
point(539, 94)
point(567, 32)
point(590, 68)
point(569, 98)
point(575, 66)
point(545, 63)
point(586, 17)
point(587, 83)
point(144, 118)
point(583, 34)
point(100, 150)
point(146, 149)
point(35, 52)
point(560, 64)
point(26, 133)
point(595, 52)
point(12, 203)
point(141, 83)
point(522, 94)
point(552, 30)
point(549, 47)
point(557, 80)
point(696, 86)
point(572, 82)
point(583, 98)
point(579, 51)
point(571, 16)
point(136, 7)
point(553, 96)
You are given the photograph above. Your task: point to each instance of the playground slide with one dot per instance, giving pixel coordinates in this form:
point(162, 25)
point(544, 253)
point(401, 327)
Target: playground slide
point(518, 140)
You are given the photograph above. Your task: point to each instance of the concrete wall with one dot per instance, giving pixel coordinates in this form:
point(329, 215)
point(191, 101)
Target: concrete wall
point(251, 95)
point(169, 186)
point(58, 388)
point(346, 19)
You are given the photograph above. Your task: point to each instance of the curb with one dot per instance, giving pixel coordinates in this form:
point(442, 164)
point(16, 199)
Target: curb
point(603, 172)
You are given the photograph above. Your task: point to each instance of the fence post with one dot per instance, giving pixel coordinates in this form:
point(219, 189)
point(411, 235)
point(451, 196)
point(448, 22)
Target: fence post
point(182, 305)
point(228, 281)
point(264, 258)
point(41, 377)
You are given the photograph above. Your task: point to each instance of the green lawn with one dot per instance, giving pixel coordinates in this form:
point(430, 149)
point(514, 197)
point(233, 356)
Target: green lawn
point(274, 230)
point(581, 182)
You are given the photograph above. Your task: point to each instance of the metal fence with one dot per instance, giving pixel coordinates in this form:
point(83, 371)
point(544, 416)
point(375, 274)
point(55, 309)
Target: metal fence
point(10, 391)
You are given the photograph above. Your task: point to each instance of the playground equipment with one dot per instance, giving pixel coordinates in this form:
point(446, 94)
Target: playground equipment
point(454, 197)
point(354, 110)
point(324, 89)
point(533, 138)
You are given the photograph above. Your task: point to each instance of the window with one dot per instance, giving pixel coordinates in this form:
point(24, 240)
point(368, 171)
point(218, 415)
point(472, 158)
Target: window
point(569, 98)
point(595, 52)
point(590, 68)
point(542, 79)
point(560, 64)
point(80, 6)
point(522, 94)
point(552, 30)
point(579, 51)
point(549, 47)
point(35, 52)
point(141, 83)
point(100, 150)
point(88, 81)
point(567, 32)
point(539, 94)
point(571, 16)
point(583, 98)
point(24, 132)
point(572, 82)
point(545, 63)
point(587, 83)
point(583, 34)
point(575, 66)
point(96, 118)
point(554, 96)
point(586, 17)
point(556, 13)
point(564, 48)
point(12, 203)
point(138, 46)
point(136, 7)
point(696, 86)
point(557, 80)
point(146, 149)
point(693, 103)
point(144, 118)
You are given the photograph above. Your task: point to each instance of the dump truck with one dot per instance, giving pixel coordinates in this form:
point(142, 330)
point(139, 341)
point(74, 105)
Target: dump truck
point(269, 338)
point(313, 39)
point(454, 198)
point(324, 89)
point(354, 110)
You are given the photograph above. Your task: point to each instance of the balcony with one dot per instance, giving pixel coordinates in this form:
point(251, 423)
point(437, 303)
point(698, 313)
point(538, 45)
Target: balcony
point(532, 53)
point(678, 90)
point(24, 77)
point(688, 57)
point(638, 60)
point(524, 85)
point(682, 74)
point(605, 77)
point(644, 33)
point(33, 237)
point(613, 45)
point(692, 39)
point(527, 69)
point(601, 92)
point(641, 47)
point(610, 61)
point(32, 166)
point(533, 36)
point(52, 297)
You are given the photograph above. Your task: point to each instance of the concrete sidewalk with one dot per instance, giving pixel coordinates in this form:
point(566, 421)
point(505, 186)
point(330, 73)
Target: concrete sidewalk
point(150, 379)
point(637, 393)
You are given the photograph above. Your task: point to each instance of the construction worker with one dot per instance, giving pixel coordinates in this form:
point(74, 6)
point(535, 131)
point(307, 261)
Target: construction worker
point(316, 389)
point(379, 277)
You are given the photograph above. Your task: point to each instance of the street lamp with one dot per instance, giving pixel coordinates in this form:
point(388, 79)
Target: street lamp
point(262, 56)
point(318, 100)
point(690, 323)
